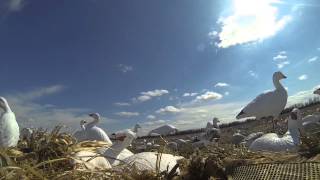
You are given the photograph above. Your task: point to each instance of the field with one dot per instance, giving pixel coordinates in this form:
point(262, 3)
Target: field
point(47, 155)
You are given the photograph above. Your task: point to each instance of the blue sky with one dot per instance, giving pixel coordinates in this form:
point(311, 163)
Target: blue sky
point(152, 62)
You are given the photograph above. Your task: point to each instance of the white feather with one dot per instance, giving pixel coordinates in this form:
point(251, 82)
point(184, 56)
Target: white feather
point(9, 128)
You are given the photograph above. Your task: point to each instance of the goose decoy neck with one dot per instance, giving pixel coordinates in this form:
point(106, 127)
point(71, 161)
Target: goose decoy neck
point(4, 104)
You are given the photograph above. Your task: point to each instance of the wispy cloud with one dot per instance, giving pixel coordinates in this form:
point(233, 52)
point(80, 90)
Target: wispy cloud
point(253, 74)
point(150, 117)
point(221, 84)
point(145, 96)
point(281, 59)
point(32, 114)
point(122, 104)
point(250, 21)
point(226, 93)
point(189, 94)
point(303, 77)
point(40, 92)
point(125, 68)
point(209, 95)
point(315, 58)
point(169, 109)
point(127, 114)
point(12, 5)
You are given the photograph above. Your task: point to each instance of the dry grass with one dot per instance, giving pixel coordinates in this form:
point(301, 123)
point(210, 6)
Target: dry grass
point(47, 155)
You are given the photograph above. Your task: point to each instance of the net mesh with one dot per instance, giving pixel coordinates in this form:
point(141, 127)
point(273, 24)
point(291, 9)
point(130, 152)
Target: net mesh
point(290, 171)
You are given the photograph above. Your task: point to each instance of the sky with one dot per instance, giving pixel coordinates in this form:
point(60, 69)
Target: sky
point(178, 62)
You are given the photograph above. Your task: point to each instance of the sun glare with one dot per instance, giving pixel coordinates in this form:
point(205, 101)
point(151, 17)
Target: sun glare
point(251, 20)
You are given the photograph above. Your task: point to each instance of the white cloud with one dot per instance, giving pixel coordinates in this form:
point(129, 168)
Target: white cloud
point(125, 68)
point(127, 114)
point(226, 93)
point(282, 52)
point(151, 117)
point(315, 58)
point(208, 96)
point(301, 97)
point(221, 84)
point(169, 109)
point(303, 77)
point(281, 59)
point(145, 96)
point(213, 34)
point(155, 93)
point(189, 94)
point(282, 64)
point(251, 21)
point(122, 104)
point(32, 114)
point(253, 74)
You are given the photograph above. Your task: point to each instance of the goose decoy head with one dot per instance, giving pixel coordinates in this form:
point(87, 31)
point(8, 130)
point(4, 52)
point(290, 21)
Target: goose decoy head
point(95, 115)
point(279, 75)
point(295, 114)
point(317, 91)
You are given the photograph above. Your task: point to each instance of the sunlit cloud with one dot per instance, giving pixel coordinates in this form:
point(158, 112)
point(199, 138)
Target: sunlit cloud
point(146, 96)
point(303, 77)
point(221, 84)
point(251, 21)
point(169, 109)
point(315, 58)
point(209, 95)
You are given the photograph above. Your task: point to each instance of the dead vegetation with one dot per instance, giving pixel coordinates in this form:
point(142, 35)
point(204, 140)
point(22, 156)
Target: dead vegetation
point(47, 155)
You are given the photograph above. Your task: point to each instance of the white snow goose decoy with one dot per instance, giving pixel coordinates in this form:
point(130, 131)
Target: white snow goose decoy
point(317, 91)
point(312, 122)
point(9, 128)
point(288, 142)
point(81, 134)
point(136, 127)
point(87, 160)
point(118, 151)
point(93, 132)
point(148, 161)
point(268, 104)
point(237, 138)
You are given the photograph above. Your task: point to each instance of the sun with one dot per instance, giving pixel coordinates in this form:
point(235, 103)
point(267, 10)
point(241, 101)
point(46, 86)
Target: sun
point(251, 21)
